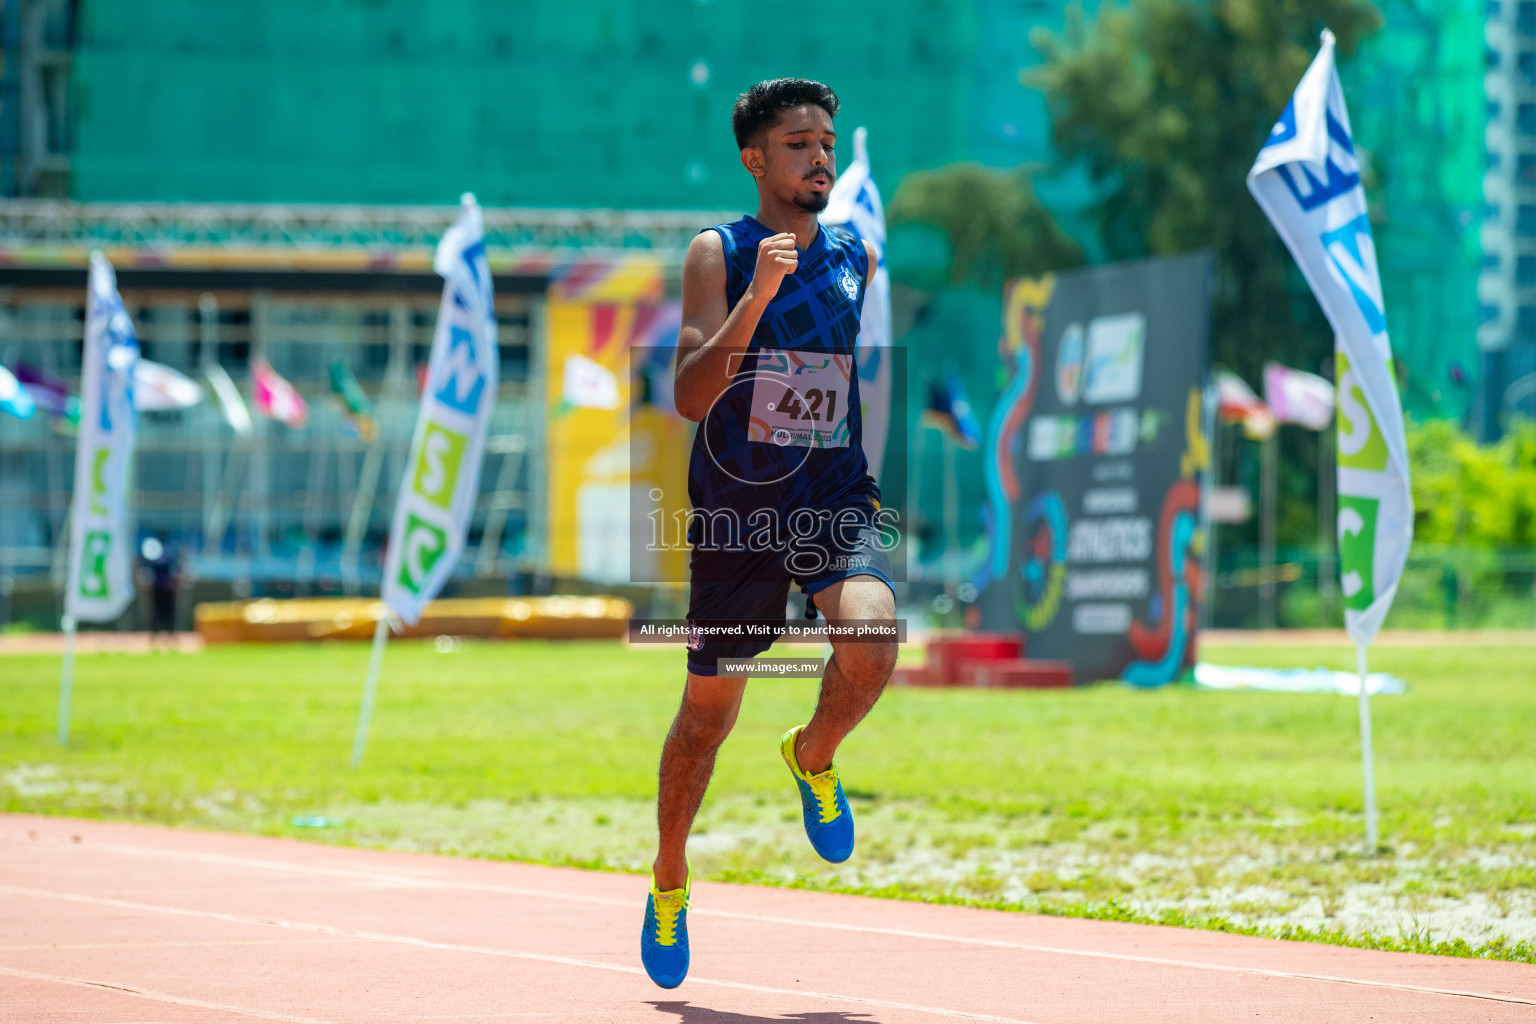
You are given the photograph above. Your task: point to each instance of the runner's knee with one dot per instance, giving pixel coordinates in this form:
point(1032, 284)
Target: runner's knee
point(705, 725)
point(869, 664)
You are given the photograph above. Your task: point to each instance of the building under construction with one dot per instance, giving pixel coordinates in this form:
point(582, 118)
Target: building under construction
point(308, 290)
point(269, 180)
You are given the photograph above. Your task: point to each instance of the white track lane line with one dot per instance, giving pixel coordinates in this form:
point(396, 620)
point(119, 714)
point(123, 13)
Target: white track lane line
point(548, 958)
point(159, 997)
point(411, 881)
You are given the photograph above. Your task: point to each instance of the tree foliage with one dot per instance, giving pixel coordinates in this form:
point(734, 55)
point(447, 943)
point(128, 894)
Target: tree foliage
point(1467, 493)
point(1166, 103)
point(996, 226)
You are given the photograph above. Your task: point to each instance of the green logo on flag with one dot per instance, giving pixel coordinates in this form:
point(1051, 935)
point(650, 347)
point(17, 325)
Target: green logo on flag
point(420, 550)
point(99, 481)
point(93, 565)
point(442, 452)
point(1361, 444)
point(1357, 550)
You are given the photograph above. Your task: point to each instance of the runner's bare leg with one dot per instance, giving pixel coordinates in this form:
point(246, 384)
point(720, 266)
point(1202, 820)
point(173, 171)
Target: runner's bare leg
point(704, 720)
point(857, 672)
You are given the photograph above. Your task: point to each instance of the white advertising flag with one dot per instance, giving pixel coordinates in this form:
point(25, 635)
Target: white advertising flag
point(159, 388)
point(101, 547)
point(855, 204)
point(1307, 179)
point(442, 475)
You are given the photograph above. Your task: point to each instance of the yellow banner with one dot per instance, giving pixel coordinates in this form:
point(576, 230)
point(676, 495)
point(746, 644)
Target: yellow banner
point(601, 501)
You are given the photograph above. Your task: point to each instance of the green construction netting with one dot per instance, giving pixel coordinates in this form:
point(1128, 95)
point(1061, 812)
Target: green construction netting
point(625, 103)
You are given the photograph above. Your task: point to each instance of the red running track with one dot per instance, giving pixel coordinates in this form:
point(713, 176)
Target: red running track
point(109, 924)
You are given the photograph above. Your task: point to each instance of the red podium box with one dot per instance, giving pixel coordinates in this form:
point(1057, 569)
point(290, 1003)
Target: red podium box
point(912, 675)
point(947, 652)
point(1015, 673)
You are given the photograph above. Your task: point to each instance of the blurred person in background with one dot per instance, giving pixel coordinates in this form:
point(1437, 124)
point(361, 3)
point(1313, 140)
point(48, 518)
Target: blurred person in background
point(164, 577)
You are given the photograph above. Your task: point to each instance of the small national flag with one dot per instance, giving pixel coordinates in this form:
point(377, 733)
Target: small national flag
point(949, 410)
point(230, 402)
point(13, 397)
point(344, 385)
point(1237, 403)
point(276, 398)
point(157, 388)
point(588, 384)
point(1294, 396)
point(50, 394)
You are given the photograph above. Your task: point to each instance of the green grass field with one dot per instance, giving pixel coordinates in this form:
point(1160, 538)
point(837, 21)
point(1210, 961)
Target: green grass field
point(1238, 811)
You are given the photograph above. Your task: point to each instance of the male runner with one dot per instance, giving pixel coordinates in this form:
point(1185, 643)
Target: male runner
point(778, 480)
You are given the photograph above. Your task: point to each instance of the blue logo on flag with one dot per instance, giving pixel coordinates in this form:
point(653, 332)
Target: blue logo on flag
point(1341, 151)
point(470, 255)
point(1285, 128)
point(1353, 252)
point(461, 384)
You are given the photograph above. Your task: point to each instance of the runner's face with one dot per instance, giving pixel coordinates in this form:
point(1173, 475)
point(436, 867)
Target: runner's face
point(796, 162)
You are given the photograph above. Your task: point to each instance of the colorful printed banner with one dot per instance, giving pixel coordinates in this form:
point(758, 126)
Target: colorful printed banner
point(1096, 456)
point(442, 475)
point(610, 449)
point(855, 204)
point(101, 543)
point(1307, 180)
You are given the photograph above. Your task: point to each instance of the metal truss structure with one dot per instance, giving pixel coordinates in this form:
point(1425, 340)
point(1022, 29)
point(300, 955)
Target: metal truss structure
point(30, 224)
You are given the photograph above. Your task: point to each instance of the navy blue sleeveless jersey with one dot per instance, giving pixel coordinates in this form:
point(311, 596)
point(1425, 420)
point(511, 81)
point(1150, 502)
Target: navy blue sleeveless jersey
point(815, 313)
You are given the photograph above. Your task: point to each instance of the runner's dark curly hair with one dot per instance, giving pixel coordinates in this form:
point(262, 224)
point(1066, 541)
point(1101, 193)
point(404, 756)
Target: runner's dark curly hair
point(759, 107)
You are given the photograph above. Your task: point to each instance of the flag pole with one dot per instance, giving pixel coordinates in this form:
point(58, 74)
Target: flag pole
point(1366, 757)
point(67, 679)
point(951, 517)
point(1325, 539)
point(1269, 497)
point(371, 687)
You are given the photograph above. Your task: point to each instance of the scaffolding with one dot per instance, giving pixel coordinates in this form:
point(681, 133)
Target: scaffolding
point(281, 511)
point(514, 236)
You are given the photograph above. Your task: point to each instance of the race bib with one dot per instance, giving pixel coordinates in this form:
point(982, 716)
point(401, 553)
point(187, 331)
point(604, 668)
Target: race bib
point(800, 399)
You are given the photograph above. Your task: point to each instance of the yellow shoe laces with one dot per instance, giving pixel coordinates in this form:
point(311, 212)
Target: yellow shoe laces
point(668, 906)
point(824, 786)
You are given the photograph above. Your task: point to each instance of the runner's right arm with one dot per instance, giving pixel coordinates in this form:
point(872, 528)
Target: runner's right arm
point(712, 333)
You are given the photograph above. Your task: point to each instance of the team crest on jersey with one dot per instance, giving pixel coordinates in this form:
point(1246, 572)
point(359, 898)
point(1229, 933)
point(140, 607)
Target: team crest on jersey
point(849, 285)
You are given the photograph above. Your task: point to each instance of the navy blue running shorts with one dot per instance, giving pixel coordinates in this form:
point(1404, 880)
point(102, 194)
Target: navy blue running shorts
point(739, 583)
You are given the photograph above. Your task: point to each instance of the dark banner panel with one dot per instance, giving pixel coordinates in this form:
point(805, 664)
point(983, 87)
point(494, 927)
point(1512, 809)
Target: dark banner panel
point(1095, 457)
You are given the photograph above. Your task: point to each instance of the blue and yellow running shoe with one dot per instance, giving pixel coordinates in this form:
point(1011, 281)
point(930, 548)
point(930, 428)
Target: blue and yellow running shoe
point(828, 818)
point(664, 935)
